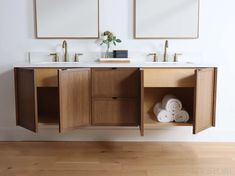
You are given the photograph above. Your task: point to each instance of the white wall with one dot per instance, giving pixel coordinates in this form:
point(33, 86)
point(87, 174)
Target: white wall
point(216, 43)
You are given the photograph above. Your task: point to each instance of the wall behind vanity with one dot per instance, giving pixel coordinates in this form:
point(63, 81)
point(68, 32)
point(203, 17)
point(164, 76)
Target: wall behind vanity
point(215, 45)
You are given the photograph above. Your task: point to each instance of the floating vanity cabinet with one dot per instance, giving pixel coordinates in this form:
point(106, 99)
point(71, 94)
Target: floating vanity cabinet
point(52, 97)
point(195, 87)
point(76, 97)
point(115, 96)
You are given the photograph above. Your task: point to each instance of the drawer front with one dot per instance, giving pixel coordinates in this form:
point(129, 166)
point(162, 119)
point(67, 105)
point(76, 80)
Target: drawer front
point(119, 112)
point(169, 77)
point(120, 83)
point(46, 77)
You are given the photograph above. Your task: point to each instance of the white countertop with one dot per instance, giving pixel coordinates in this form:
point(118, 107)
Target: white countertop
point(96, 64)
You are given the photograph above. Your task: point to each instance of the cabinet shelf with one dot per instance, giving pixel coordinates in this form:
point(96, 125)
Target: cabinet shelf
point(149, 121)
point(48, 119)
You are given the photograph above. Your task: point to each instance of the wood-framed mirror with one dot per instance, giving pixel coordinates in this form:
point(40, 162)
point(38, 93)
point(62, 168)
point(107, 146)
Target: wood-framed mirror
point(67, 19)
point(166, 19)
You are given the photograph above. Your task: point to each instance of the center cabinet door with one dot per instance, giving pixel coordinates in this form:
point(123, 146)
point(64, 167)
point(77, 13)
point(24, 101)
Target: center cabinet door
point(75, 98)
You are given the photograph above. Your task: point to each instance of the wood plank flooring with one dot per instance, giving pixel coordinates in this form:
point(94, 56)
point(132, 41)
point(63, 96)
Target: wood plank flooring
point(116, 159)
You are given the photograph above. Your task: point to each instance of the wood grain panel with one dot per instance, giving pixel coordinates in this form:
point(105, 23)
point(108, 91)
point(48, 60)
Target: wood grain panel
point(169, 77)
point(75, 98)
point(120, 83)
point(204, 100)
point(26, 99)
point(46, 77)
point(115, 112)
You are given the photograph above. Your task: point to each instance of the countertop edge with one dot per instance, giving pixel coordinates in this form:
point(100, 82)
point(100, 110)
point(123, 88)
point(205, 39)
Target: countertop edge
point(116, 65)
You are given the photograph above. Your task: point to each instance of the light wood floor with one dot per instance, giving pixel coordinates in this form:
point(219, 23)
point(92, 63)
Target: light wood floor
point(116, 159)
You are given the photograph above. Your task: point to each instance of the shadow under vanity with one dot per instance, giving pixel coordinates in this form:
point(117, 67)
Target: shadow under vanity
point(72, 98)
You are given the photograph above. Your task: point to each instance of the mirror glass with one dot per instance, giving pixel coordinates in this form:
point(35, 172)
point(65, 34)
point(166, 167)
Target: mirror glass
point(67, 18)
point(166, 19)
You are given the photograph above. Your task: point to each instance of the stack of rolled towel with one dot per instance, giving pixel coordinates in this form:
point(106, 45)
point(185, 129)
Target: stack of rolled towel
point(170, 109)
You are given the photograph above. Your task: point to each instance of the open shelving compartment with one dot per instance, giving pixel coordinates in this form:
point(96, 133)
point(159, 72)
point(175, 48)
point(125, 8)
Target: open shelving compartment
point(156, 83)
point(155, 95)
point(47, 97)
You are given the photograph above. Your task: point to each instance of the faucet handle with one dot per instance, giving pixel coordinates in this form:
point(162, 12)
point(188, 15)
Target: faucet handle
point(155, 58)
point(55, 57)
point(176, 56)
point(76, 57)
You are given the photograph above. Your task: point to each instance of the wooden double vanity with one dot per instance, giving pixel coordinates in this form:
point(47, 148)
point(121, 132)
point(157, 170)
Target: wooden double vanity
point(76, 97)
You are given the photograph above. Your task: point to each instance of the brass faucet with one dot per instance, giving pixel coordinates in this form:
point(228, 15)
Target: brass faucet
point(65, 46)
point(165, 51)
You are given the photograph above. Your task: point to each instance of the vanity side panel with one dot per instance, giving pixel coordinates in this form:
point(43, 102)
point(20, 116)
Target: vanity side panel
point(26, 99)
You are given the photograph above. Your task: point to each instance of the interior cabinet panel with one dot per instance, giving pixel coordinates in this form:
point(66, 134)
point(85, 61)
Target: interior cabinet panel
point(26, 99)
point(115, 112)
point(120, 83)
point(75, 97)
point(169, 77)
point(204, 99)
point(48, 105)
point(46, 77)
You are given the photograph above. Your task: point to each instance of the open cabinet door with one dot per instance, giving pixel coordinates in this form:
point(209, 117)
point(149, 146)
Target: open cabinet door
point(75, 97)
point(204, 99)
point(26, 99)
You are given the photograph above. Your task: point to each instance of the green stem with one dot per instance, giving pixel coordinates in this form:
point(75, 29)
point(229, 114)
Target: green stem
point(107, 51)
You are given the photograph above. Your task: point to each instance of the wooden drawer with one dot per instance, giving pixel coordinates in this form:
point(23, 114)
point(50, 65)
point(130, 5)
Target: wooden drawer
point(122, 83)
point(169, 77)
point(46, 77)
point(115, 112)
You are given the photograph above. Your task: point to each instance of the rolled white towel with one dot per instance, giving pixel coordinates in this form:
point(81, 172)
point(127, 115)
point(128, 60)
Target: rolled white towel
point(157, 108)
point(171, 104)
point(181, 116)
point(162, 115)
